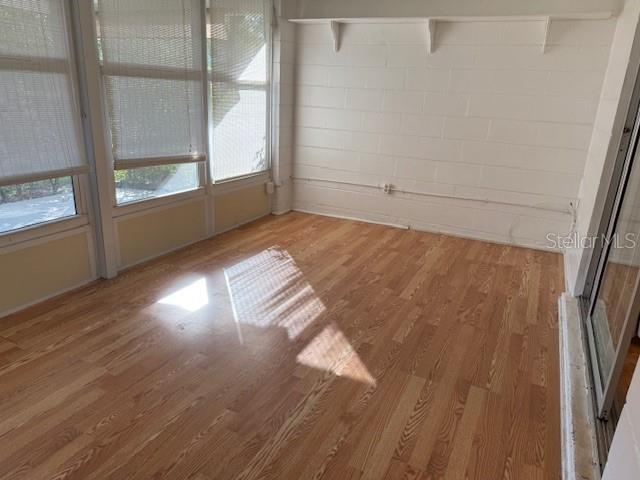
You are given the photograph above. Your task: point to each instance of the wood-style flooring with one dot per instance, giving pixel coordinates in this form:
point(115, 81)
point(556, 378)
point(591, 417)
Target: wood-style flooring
point(297, 347)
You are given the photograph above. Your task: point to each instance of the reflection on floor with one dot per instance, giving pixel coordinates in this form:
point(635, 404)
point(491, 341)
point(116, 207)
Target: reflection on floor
point(615, 297)
point(610, 311)
point(269, 290)
point(603, 335)
point(298, 347)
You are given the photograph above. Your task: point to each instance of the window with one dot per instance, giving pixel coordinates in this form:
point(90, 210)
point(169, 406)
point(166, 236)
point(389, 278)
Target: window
point(155, 181)
point(151, 56)
point(28, 204)
point(238, 57)
point(40, 133)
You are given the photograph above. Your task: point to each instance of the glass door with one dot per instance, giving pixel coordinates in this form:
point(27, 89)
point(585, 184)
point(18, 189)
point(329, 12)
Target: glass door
point(614, 307)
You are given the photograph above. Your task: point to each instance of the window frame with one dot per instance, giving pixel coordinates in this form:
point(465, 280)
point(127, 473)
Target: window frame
point(80, 59)
point(158, 199)
point(79, 181)
point(141, 71)
point(267, 87)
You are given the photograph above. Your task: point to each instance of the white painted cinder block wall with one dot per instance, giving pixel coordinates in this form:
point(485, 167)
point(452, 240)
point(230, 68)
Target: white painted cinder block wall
point(487, 116)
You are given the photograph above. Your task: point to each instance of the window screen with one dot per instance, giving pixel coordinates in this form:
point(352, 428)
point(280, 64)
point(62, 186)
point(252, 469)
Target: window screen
point(238, 56)
point(39, 123)
point(152, 67)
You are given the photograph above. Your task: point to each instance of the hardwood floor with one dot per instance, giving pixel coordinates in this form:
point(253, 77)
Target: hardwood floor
point(298, 347)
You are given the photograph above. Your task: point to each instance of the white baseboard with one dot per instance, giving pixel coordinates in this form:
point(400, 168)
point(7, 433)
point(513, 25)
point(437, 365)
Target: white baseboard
point(571, 267)
point(279, 213)
point(348, 217)
point(424, 227)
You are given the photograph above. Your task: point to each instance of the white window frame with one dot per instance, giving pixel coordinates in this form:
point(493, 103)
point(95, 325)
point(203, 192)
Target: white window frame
point(79, 180)
point(143, 71)
point(268, 88)
point(81, 183)
point(142, 204)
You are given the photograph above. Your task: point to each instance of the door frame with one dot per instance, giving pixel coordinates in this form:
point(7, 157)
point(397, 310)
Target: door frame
point(604, 384)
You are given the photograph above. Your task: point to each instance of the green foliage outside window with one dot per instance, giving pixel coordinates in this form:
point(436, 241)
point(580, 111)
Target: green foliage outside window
point(146, 178)
point(29, 191)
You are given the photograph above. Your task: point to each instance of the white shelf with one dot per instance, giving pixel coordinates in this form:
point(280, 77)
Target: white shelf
point(431, 23)
point(506, 18)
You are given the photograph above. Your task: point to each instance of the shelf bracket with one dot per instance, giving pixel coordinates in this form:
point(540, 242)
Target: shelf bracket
point(547, 30)
point(431, 35)
point(335, 32)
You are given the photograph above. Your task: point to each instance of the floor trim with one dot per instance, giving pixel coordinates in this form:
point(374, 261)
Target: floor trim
point(351, 217)
point(425, 227)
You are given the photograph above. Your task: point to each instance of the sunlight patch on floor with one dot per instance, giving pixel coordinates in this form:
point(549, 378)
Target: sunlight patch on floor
point(269, 290)
point(331, 351)
point(191, 298)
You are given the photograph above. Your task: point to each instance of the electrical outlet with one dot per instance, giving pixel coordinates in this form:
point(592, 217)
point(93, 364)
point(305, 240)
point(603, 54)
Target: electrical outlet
point(387, 188)
point(270, 188)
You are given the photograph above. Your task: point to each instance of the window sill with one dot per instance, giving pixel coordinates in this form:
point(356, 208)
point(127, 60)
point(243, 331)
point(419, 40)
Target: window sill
point(239, 183)
point(54, 227)
point(141, 205)
point(42, 230)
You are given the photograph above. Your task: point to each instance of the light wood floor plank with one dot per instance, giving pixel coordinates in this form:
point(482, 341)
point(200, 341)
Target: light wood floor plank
point(296, 347)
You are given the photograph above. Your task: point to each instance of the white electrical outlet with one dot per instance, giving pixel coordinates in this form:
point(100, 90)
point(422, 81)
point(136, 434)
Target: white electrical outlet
point(387, 188)
point(270, 187)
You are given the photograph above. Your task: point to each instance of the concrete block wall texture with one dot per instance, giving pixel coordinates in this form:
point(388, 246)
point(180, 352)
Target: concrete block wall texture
point(487, 116)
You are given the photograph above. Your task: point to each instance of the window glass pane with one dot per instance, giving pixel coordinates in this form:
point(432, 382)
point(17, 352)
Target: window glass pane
point(32, 28)
point(155, 181)
point(618, 285)
point(237, 62)
point(37, 202)
point(40, 132)
point(154, 117)
point(239, 131)
point(238, 39)
point(160, 33)
point(151, 53)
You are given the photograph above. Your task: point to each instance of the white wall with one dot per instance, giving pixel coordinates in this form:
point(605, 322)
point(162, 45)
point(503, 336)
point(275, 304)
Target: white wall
point(603, 149)
point(486, 116)
point(624, 456)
